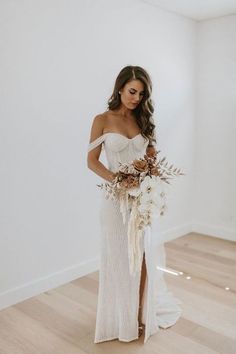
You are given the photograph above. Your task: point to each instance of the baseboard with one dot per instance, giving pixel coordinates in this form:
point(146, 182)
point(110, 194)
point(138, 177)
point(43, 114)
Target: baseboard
point(176, 232)
point(38, 286)
point(214, 231)
point(200, 228)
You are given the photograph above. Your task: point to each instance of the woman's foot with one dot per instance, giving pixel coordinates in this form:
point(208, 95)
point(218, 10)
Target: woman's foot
point(140, 324)
point(140, 329)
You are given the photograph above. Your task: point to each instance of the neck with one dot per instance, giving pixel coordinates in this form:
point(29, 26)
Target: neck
point(125, 112)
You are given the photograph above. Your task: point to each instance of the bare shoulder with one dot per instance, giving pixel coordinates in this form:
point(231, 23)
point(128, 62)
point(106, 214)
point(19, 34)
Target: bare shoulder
point(98, 124)
point(109, 114)
point(99, 119)
point(110, 118)
point(104, 118)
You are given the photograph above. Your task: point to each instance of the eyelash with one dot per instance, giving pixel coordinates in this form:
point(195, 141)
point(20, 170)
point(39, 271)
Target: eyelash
point(132, 93)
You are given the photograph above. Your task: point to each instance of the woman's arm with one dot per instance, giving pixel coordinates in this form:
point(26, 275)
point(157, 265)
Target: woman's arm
point(93, 162)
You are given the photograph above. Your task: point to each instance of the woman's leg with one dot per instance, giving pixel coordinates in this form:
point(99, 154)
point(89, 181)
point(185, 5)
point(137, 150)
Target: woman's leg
point(141, 289)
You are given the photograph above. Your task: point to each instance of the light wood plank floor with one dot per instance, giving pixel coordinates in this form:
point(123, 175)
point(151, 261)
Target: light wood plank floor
point(62, 320)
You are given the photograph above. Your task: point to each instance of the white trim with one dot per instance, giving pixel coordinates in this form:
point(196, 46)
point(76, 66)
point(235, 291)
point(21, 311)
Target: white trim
point(214, 231)
point(59, 278)
point(176, 232)
point(40, 285)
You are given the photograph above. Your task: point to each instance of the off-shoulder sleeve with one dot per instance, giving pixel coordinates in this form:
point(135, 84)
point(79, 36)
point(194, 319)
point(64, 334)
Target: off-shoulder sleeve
point(96, 142)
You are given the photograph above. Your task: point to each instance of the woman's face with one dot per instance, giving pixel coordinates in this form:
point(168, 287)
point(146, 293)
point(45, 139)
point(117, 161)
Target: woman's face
point(132, 93)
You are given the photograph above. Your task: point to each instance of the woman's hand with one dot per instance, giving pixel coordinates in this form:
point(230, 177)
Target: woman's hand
point(112, 176)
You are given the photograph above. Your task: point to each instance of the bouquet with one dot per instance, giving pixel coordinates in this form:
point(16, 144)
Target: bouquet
point(140, 188)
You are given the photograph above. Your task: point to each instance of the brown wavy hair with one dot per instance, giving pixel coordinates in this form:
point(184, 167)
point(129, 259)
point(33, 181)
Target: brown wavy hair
point(144, 111)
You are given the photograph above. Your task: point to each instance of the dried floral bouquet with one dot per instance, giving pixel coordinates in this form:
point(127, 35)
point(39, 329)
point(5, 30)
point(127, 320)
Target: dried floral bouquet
point(140, 188)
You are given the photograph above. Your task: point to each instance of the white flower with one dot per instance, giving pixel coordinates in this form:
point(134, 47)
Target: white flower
point(134, 192)
point(148, 188)
point(147, 184)
point(152, 197)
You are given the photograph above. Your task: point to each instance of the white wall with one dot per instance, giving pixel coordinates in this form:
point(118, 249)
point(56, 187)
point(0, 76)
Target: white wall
point(58, 65)
point(215, 174)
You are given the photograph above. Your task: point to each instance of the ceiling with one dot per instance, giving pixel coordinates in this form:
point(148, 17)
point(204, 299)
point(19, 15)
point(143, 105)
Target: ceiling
point(197, 10)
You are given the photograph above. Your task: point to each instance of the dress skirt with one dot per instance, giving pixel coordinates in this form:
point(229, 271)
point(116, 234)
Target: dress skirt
point(118, 294)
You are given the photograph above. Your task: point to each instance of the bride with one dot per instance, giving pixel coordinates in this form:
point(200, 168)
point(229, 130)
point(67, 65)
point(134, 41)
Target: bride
point(128, 304)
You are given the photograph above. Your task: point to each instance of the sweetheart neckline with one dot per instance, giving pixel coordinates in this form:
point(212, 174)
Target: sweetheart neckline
point(123, 135)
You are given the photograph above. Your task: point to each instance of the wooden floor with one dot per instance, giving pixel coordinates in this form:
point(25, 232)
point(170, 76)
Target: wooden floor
point(62, 321)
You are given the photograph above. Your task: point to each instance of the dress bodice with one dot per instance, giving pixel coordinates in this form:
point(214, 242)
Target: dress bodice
point(119, 148)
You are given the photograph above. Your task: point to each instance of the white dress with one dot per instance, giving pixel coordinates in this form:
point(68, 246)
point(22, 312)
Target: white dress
point(118, 295)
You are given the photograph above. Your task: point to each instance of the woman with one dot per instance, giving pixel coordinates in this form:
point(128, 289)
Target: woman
point(128, 304)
